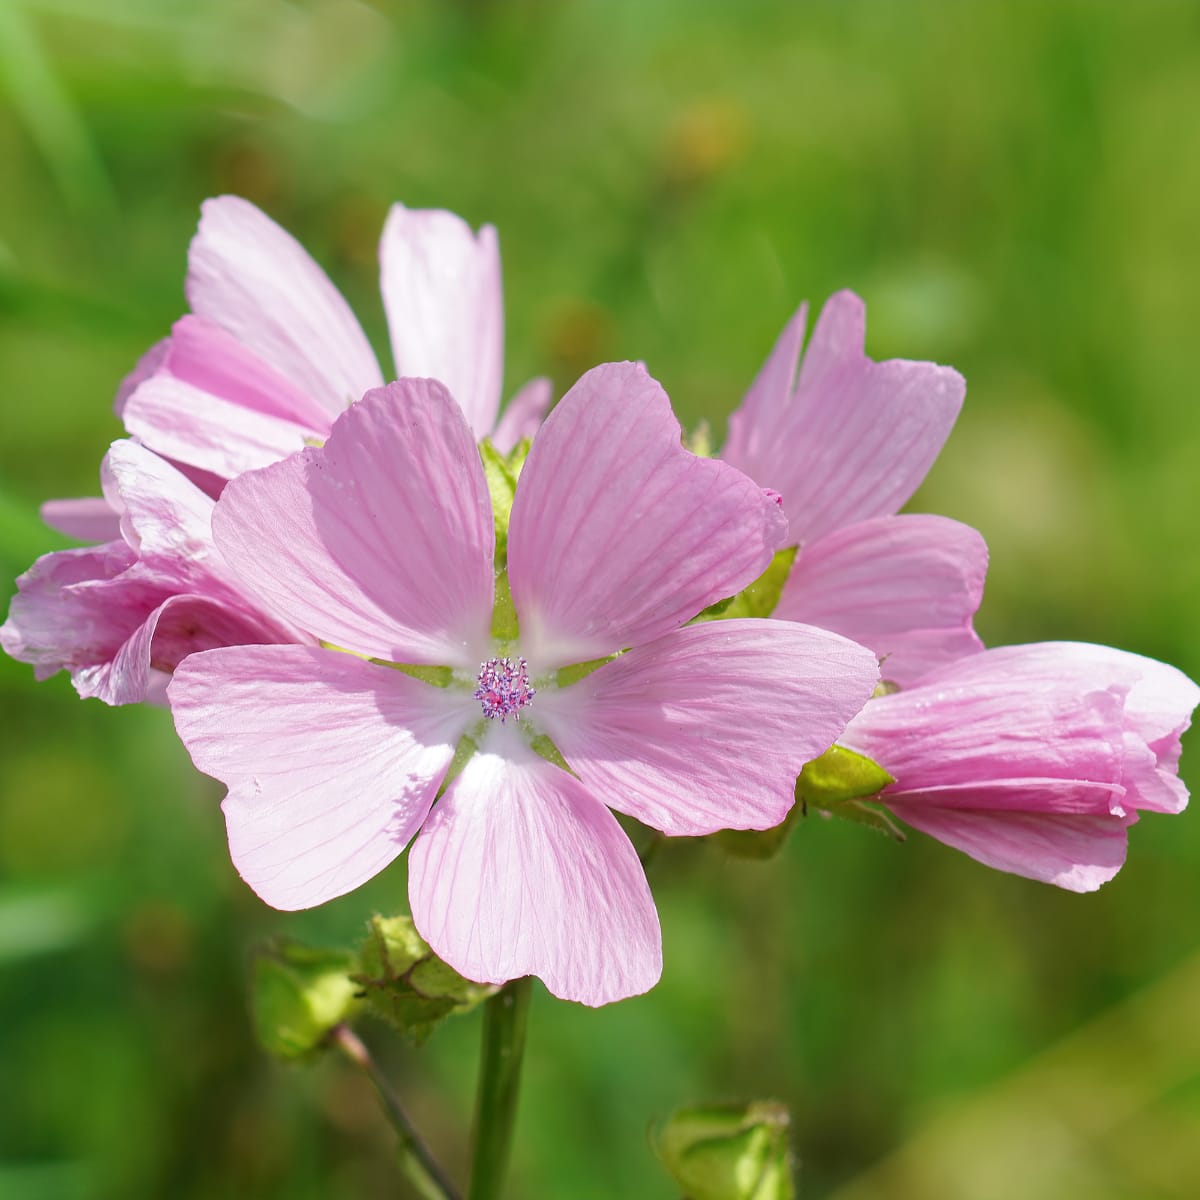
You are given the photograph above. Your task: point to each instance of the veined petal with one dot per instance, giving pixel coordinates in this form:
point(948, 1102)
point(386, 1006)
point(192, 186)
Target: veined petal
point(520, 870)
point(445, 311)
point(90, 518)
point(523, 415)
point(858, 437)
point(179, 626)
point(956, 733)
point(331, 762)
point(756, 422)
point(906, 586)
point(619, 534)
point(380, 541)
point(1075, 852)
point(708, 727)
point(165, 517)
point(254, 279)
point(188, 424)
point(150, 362)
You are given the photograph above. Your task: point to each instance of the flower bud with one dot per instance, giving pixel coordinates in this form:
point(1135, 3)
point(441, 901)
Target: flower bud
point(300, 994)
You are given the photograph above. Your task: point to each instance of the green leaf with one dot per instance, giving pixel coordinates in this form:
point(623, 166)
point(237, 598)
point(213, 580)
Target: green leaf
point(728, 1152)
point(405, 983)
point(300, 994)
point(761, 597)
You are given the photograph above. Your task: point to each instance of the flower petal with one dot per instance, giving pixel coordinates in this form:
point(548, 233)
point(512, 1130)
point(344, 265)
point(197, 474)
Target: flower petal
point(381, 541)
point(445, 310)
point(523, 415)
point(906, 586)
point(519, 870)
point(858, 437)
point(331, 762)
point(255, 280)
point(187, 424)
point(619, 534)
point(1078, 853)
point(90, 518)
point(708, 727)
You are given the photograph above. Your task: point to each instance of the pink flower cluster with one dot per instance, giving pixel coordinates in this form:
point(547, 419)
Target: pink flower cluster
point(348, 614)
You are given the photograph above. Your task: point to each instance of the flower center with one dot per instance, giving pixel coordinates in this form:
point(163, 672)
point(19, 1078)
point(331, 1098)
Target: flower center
point(504, 688)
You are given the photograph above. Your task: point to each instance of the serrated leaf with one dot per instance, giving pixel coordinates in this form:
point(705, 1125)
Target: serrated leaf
point(300, 994)
point(406, 984)
point(761, 598)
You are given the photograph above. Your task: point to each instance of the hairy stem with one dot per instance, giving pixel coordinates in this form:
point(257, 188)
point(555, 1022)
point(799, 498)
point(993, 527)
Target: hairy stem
point(504, 1021)
point(418, 1164)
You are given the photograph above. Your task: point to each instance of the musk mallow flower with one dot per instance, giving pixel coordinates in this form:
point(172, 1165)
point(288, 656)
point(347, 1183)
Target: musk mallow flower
point(271, 353)
point(120, 614)
point(382, 543)
point(1033, 759)
point(846, 441)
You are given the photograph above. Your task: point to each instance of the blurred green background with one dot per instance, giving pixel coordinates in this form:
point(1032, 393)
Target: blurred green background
point(1013, 189)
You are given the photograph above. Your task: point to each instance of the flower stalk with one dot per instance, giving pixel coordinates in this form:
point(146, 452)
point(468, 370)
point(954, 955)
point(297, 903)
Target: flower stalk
point(417, 1162)
point(504, 1022)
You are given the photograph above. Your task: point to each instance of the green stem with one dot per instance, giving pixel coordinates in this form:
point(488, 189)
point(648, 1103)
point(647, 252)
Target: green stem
point(416, 1160)
point(504, 1020)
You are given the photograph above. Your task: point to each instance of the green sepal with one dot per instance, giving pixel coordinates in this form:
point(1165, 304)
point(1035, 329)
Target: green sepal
point(565, 676)
point(438, 676)
point(502, 486)
point(700, 441)
point(761, 598)
point(835, 783)
point(541, 744)
point(406, 984)
point(728, 1152)
point(505, 627)
point(300, 994)
point(463, 753)
point(840, 782)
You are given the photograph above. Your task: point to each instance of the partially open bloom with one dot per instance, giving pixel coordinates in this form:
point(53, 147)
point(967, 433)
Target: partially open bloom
point(1033, 759)
point(382, 543)
point(271, 352)
point(118, 615)
point(846, 442)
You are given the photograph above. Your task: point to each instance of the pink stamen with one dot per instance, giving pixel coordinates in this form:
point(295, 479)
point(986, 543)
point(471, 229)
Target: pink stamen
point(504, 688)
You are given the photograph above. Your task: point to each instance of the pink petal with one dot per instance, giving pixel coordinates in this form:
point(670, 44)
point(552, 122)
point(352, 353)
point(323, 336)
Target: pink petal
point(380, 542)
point(164, 516)
point(765, 409)
point(1078, 853)
point(255, 280)
point(187, 424)
point(955, 733)
point(523, 415)
point(90, 519)
point(519, 870)
point(445, 311)
point(618, 534)
point(708, 727)
point(212, 359)
point(66, 613)
point(331, 762)
point(858, 437)
point(150, 362)
point(179, 626)
point(906, 586)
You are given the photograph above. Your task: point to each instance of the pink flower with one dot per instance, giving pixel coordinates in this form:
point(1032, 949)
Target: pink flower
point(846, 443)
point(382, 542)
point(271, 352)
point(1034, 759)
point(117, 615)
